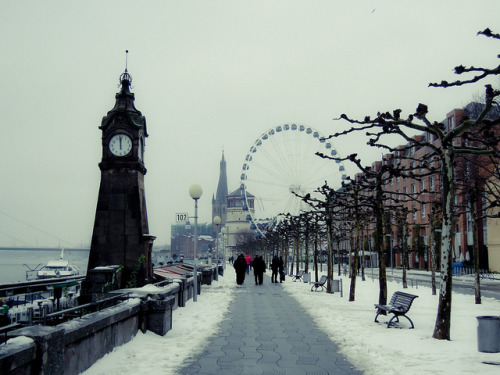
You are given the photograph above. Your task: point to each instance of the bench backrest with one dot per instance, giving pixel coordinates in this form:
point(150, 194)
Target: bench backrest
point(402, 300)
point(322, 280)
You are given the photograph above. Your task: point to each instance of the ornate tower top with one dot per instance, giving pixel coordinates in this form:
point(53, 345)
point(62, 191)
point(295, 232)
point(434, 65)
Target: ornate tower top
point(124, 105)
point(126, 78)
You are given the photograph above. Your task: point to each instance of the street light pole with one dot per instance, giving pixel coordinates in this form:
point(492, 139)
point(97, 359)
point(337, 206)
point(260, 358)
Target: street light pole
point(195, 192)
point(223, 231)
point(217, 221)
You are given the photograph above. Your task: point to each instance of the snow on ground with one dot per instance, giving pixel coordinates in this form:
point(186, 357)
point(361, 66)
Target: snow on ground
point(371, 347)
point(148, 353)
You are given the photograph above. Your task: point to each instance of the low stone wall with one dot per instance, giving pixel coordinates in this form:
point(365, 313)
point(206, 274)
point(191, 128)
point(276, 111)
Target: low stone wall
point(74, 346)
point(91, 337)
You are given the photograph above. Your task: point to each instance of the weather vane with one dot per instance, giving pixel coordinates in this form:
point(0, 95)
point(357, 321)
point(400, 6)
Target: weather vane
point(126, 76)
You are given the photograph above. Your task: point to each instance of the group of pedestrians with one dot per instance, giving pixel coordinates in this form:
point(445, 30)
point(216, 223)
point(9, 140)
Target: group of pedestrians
point(243, 263)
point(277, 268)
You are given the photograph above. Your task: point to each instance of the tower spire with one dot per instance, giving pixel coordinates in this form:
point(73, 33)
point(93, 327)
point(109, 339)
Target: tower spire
point(126, 78)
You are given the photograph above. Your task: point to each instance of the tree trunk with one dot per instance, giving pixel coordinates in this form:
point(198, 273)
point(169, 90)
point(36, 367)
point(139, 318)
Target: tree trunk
point(443, 319)
point(404, 248)
point(329, 275)
point(339, 260)
point(316, 234)
point(379, 248)
point(297, 252)
point(352, 292)
point(306, 248)
point(363, 257)
point(433, 259)
point(475, 247)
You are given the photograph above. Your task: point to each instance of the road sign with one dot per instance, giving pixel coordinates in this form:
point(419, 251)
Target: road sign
point(181, 217)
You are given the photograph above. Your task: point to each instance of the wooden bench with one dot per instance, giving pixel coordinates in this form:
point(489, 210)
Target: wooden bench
point(320, 284)
point(298, 276)
point(400, 304)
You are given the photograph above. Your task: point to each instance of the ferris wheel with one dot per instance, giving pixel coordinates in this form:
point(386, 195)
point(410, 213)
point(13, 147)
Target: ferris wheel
point(282, 162)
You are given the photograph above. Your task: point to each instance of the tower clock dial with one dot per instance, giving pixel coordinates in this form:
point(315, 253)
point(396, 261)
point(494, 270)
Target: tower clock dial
point(120, 145)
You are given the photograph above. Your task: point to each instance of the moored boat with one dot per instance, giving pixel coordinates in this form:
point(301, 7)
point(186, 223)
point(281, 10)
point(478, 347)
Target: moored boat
point(54, 268)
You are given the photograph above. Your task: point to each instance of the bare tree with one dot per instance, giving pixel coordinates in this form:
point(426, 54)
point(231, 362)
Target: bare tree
point(444, 143)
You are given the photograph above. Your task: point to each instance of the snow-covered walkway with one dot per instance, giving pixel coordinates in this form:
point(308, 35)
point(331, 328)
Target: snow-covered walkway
point(371, 347)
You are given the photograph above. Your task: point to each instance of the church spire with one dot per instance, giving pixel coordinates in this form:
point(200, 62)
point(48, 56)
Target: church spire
point(222, 189)
point(219, 203)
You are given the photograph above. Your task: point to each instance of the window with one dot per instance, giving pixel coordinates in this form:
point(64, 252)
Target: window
point(413, 189)
point(422, 210)
point(451, 123)
point(431, 183)
point(422, 185)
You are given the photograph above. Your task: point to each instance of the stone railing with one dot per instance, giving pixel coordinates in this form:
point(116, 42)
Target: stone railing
point(74, 346)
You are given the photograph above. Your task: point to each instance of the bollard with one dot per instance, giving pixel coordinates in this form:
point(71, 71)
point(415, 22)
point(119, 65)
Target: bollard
point(306, 277)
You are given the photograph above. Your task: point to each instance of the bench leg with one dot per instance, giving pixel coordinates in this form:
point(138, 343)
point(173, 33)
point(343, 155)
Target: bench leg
point(412, 326)
point(397, 321)
point(380, 311)
point(390, 321)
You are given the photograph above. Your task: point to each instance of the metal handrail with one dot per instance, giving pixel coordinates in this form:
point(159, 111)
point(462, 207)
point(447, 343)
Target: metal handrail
point(56, 314)
point(8, 328)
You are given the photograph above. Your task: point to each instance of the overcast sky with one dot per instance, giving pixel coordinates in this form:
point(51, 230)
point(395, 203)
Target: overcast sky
point(209, 76)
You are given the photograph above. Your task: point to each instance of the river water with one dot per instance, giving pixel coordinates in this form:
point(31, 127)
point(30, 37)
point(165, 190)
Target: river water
point(14, 263)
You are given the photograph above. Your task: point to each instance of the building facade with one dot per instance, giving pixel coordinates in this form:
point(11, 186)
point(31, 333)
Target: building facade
point(420, 197)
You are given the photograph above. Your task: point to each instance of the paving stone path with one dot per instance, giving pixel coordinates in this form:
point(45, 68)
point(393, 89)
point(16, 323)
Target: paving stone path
point(266, 332)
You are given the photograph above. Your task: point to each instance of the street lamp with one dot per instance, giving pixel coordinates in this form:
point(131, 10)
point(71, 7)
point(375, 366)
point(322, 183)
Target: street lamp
point(195, 192)
point(390, 245)
point(217, 221)
point(223, 231)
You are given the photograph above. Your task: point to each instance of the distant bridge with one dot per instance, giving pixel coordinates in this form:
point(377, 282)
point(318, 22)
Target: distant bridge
point(44, 248)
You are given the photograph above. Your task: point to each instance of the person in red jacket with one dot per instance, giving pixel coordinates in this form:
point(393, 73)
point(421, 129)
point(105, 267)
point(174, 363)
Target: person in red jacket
point(248, 259)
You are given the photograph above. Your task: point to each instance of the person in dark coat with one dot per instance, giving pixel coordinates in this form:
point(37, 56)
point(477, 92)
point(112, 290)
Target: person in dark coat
point(259, 267)
point(275, 269)
point(281, 269)
point(240, 266)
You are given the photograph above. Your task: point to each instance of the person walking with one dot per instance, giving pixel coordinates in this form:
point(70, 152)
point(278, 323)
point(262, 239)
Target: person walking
point(281, 269)
point(259, 267)
point(240, 266)
point(275, 269)
point(248, 259)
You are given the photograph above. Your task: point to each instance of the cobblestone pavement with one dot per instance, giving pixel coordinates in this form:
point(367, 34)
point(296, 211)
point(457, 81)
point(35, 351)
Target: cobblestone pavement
point(266, 332)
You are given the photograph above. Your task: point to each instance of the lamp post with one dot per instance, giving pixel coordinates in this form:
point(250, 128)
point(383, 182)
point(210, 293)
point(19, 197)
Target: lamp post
point(217, 221)
point(390, 246)
point(223, 231)
point(195, 192)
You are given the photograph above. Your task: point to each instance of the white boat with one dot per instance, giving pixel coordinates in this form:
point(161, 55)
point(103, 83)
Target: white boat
point(57, 268)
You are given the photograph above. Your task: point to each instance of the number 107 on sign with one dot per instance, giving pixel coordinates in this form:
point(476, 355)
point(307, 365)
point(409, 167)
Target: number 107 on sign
point(181, 217)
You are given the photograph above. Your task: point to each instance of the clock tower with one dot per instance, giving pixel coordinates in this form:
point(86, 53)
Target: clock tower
point(121, 234)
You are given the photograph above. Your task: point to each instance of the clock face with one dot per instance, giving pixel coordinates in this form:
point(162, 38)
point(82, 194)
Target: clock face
point(120, 145)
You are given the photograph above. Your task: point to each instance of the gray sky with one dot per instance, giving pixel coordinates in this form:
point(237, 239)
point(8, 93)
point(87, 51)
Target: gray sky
point(209, 76)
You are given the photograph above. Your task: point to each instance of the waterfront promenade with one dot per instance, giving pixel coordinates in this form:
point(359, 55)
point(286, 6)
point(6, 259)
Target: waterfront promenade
point(267, 332)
